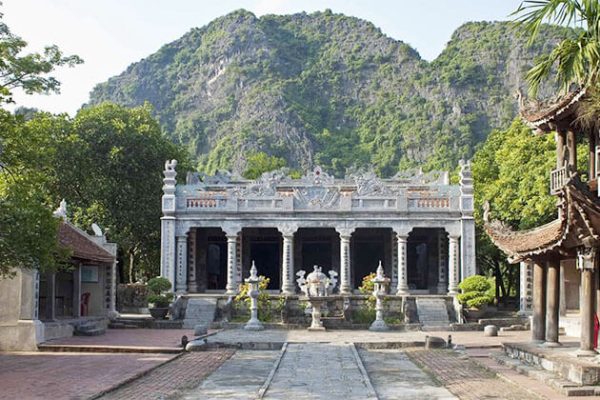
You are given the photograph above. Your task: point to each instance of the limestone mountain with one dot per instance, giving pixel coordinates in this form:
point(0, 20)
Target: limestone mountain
point(329, 89)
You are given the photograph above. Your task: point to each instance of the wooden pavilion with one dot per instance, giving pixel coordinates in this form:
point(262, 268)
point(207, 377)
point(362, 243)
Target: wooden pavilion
point(573, 235)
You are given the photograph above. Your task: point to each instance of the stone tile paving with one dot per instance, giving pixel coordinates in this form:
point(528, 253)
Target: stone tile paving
point(56, 376)
point(238, 378)
point(170, 379)
point(395, 376)
point(130, 337)
point(469, 339)
point(465, 378)
point(319, 371)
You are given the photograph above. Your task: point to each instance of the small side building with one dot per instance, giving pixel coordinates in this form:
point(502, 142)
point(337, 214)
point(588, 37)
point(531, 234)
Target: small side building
point(36, 307)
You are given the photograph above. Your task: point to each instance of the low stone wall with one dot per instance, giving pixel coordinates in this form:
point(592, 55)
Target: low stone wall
point(349, 312)
point(131, 298)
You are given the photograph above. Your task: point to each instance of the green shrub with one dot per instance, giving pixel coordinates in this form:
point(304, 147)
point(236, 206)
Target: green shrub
point(476, 291)
point(242, 300)
point(157, 288)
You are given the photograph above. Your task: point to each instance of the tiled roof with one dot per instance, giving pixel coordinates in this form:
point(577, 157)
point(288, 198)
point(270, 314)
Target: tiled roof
point(541, 115)
point(81, 245)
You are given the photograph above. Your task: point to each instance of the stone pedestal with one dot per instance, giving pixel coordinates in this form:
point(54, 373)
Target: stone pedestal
point(316, 323)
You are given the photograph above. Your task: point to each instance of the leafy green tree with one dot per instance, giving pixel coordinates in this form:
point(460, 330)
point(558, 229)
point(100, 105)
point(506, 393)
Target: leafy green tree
point(109, 167)
point(28, 72)
point(260, 162)
point(27, 228)
point(28, 231)
point(511, 172)
point(577, 60)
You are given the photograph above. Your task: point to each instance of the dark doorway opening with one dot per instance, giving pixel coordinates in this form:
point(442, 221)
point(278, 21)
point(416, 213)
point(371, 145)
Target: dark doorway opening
point(216, 263)
point(316, 253)
point(267, 260)
point(367, 254)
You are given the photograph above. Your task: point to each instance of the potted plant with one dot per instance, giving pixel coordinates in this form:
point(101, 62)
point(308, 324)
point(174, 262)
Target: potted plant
point(159, 297)
point(476, 295)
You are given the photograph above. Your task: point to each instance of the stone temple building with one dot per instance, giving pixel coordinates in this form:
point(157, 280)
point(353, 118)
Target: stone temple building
point(418, 225)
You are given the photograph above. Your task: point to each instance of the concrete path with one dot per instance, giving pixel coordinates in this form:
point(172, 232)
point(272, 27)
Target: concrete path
point(238, 378)
point(319, 371)
point(395, 376)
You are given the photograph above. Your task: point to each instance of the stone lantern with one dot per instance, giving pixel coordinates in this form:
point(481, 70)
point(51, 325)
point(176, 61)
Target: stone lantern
point(380, 285)
point(253, 280)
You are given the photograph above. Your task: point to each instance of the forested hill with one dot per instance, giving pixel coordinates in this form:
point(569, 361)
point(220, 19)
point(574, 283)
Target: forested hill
point(329, 89)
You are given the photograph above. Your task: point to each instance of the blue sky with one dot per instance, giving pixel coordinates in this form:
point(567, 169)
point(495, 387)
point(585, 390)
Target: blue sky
point(111, 34)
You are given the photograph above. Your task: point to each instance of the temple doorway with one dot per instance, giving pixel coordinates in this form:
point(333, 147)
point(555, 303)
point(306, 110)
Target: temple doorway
point(211, 259)
point(368, 247)
point(317, 246)
point(423, 260)
point(263, 246)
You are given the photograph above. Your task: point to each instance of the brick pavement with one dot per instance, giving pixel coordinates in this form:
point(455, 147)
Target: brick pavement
point(130, 337)
point(465, 378)
point(170, 379)
point(57, 376)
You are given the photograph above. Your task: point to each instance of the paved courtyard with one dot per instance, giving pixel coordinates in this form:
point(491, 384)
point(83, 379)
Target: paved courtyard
point(299, 365)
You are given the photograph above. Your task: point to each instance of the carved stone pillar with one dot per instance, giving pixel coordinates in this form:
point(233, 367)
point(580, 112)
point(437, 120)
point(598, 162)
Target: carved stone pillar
point(525, 288)
point(552, 302)
point(345, 234)
point(538, 322)
point(442, 264)
point(453, 267)
point(192, 257)
point(182, 258)
point(586, 263)
point(232, 284)
point(287, 267)
point(402, 288)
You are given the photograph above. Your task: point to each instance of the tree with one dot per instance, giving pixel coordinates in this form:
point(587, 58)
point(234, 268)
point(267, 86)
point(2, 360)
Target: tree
point(511, 171)
point(28, 72)
point(28, 231)
point(110, 168)
point(259, 163)
point(577, 60)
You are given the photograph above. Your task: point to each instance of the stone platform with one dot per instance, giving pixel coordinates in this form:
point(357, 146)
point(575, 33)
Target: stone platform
point(558, 367)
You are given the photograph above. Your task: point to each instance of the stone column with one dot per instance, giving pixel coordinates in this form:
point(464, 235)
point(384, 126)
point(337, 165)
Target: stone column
point(402, 288)
point(168, 221)
point(538, 322)
point(586, 261)
point(232, 284)
point(552, 302)
point(442, 264)
point(192, 280)
point(453, 265)
point(182, 259)
point(525, 288)
point(345, 285)
point(112, 312)
point(287, 286)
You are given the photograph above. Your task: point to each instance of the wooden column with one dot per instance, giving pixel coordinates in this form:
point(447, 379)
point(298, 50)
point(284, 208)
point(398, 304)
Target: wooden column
point(572, 144)
point(559, 137)
point(552, 302)
point(77, 292)
point(538, 323)
point(592, 154)
point(586, 261)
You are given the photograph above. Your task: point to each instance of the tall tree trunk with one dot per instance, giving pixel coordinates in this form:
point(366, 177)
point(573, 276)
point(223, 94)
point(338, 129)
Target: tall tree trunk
point(131, 264)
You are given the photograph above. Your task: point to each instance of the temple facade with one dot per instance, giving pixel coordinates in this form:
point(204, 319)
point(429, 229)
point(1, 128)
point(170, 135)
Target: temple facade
point(418, 225)
point(559, 260)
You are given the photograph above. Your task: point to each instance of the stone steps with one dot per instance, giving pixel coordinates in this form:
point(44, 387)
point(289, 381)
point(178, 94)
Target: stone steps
point(89, 329)
point(564, 386)
point(432, 312)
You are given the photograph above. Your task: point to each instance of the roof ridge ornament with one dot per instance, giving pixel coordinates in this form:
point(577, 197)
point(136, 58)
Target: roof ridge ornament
point(61, 211)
